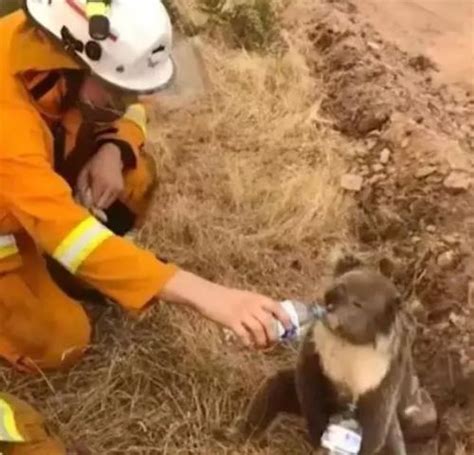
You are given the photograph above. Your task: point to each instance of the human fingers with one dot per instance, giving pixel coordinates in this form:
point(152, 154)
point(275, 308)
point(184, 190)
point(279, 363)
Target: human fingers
point(269, 324)
point(243, 334)
point(107, 198)
point(278, 312)
point(257, 330)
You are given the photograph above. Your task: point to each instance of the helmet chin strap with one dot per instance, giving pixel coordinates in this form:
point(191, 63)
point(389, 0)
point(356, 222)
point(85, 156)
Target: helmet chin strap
point(111, 109)
point(101, 114)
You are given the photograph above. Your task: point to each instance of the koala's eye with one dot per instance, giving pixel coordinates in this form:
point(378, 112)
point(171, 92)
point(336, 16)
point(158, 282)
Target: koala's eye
point(357, 304)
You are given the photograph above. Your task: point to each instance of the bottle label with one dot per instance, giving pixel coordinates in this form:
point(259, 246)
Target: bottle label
point(341, 439)
point(291, 310)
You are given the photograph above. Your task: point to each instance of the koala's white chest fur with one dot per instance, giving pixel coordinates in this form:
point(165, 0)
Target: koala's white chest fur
point(357, 369)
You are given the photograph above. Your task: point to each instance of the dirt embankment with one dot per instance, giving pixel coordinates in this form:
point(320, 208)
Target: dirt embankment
point(412, 173)
point(442, 30)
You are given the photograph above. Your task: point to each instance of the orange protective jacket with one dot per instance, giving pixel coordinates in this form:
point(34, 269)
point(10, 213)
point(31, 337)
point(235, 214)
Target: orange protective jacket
point(23, 430)
point(35, 199)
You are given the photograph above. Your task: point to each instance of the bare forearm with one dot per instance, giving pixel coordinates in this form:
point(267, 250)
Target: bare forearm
point(251, 316)
point(188, 289)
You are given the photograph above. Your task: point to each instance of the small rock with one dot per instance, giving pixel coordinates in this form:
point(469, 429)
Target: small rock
point(385, 155)
point(457, 181)
point(352, 182)
point(364, 171)
point(416, 239)
point(431, 229)
point(441, 326)
point(416, 307)
point(374, 179)
point(405, 143)
point(374, 46)
point(446, 259)
point(456, 320)
point(425, 171)
point(377, 167)
point(450, 239)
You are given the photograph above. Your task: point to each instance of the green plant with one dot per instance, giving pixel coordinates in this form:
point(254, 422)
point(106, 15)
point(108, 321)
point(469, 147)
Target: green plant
point(254, 24)
point(250, 24)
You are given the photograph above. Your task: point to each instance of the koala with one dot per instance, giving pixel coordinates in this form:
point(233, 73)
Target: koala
point(359, 353)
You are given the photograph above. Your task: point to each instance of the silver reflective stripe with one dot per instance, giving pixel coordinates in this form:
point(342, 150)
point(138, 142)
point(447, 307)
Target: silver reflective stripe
point(8, 429)
point(8, 246)
point(7, 240)
point(80, 243)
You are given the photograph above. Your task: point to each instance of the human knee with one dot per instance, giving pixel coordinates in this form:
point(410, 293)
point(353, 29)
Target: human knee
point(29, 431)
point(67, 341)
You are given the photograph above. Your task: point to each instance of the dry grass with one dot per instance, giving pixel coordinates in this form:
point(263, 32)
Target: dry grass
point(255, 176)
point(249, 197)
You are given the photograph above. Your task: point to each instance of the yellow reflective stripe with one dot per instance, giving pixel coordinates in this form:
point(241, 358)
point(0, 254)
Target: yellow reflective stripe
point(136, 113)
point(8, 251)
point(96, 8)
point(8, 429)
point(8, 246)
point(80, 243)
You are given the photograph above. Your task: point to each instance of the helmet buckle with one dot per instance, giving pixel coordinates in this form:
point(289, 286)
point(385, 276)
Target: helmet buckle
point(99, 24)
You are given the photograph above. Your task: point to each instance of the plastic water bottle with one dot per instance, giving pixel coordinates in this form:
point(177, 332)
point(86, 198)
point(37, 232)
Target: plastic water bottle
point(300, 315)
point(343, 435)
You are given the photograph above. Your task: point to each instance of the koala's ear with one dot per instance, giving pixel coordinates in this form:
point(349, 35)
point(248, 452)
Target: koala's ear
point(394, 306)
point(335, 295)
point(396, 302)
point(387, 268)
point(345, 264)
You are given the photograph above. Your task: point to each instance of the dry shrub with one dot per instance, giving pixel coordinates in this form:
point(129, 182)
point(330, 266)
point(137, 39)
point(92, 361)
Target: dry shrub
point(251, 24)
point(248, 196)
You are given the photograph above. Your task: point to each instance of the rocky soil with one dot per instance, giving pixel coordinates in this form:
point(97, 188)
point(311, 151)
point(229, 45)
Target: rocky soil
point(412, 175)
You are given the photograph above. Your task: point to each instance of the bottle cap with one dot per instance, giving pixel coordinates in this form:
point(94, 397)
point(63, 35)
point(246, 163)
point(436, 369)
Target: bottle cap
point(319, 311)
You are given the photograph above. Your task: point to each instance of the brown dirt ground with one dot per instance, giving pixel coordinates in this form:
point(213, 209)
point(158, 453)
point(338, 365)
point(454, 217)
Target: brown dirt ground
point(442, 29)
point(250, 196)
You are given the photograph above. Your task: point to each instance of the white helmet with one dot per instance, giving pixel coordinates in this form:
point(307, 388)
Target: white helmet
point(127, 43)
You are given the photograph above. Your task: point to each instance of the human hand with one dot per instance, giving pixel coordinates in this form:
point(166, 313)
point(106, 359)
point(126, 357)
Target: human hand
point(103, 177)
point(84, 198)
point(251, 316)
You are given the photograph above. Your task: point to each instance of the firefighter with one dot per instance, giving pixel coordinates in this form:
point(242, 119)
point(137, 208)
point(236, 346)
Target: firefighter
point(70, 123)
point(72, 130)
